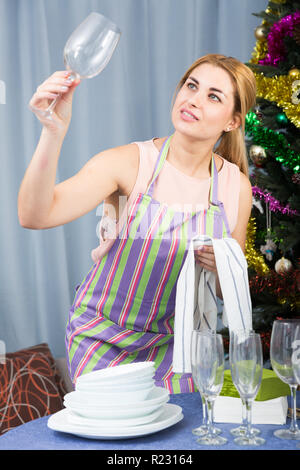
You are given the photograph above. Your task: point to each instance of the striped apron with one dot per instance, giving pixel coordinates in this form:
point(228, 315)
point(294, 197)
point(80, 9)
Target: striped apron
point(123, 310)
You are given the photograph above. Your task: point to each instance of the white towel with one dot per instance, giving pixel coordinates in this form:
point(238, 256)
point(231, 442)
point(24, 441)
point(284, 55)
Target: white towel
point(196, 302)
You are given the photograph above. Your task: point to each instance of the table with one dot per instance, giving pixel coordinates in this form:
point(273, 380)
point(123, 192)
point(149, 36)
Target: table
point(35, 435)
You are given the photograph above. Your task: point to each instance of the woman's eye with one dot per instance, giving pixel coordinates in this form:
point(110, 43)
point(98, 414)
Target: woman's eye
point(215, 96)
point(191, 85)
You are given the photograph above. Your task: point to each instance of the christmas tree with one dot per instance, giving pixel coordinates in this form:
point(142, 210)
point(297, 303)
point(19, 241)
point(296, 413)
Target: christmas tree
point(273, 145)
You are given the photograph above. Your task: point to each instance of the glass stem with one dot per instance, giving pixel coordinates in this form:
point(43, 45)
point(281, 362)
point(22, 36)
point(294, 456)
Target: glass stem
point(294, 426)
point(244, 423)
point(210, 415)
point(248, 406)
point(204, 412)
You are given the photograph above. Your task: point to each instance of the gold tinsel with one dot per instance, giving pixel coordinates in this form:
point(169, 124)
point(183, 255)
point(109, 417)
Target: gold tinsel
point(260, 49)
point(255, 260)
point(279, 90)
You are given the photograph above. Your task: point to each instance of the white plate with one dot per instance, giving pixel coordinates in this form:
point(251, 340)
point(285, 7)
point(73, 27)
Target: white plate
point(123, 372)
point(157, 397)
point(110, 398)
point(171, 415)
point(74, 418)
point(115, 388)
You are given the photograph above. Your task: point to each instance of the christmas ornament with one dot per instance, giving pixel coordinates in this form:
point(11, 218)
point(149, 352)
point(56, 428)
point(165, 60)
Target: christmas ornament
point(283, 265)
point(275, 142)
point(258, 155)
point(280, 30)
point(282, 119)
point(254, 259)
point(270, 247)
point(261, 33)
point(294, 73)
point(280, 89)
point(258, 113)
point(296, 178)
point(273, 204)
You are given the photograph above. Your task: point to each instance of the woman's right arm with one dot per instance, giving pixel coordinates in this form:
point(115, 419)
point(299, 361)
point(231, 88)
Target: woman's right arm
point(41, 203)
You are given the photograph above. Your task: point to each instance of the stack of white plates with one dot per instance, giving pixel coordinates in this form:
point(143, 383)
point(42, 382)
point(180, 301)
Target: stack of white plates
point(115, 403)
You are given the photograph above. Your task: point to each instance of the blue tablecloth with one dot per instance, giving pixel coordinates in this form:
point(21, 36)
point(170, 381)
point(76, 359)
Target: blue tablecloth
point(35, 435)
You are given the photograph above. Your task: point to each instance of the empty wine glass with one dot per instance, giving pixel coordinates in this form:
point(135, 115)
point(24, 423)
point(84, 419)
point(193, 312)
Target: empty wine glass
point(203, 428)
point(283, 355)
point(210, 374)
point(240, 430)
point(87, 51)
point(247, 365)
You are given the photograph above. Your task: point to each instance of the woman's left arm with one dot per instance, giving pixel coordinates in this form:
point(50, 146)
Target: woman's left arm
point(205, 256)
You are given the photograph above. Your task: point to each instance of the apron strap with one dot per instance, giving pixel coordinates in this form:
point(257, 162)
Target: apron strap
point(213, 198)
point(214, 195)
point(159, 164)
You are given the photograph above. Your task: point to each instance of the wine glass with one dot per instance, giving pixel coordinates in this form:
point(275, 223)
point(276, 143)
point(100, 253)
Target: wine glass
point(240, 430)
point(87, 51)
point(247, 366)
point(203, 428)
point(284, 363)
point(210, 374)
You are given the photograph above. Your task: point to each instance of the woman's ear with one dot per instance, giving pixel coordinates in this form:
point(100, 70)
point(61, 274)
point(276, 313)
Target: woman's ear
point(237, 121)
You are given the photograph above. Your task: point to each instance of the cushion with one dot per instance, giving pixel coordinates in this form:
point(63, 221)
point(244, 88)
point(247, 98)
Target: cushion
point(30, 386)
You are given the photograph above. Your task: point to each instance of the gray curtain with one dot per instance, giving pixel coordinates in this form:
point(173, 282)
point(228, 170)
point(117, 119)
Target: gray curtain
point(130, 100)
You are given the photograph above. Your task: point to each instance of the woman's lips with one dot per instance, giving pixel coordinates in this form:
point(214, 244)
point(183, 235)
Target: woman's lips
point(187, 115)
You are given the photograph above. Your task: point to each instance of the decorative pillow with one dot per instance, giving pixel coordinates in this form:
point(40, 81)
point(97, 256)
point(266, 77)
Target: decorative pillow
point(30, 387)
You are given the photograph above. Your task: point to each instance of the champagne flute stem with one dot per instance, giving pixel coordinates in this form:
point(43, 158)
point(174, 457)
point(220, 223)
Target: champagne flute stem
point(244, 421)
point(53, 104)
point(294, 426)
point(204, 411)
point(248, 406)
point(210, 415)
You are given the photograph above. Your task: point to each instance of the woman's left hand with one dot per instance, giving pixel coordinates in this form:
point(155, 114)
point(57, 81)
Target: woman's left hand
point(206, 258)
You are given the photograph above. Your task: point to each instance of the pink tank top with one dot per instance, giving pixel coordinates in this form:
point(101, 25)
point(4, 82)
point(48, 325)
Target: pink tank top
point(174, 188)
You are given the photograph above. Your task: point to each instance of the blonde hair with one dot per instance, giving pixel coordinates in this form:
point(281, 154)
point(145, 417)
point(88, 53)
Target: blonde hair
point(232, 144)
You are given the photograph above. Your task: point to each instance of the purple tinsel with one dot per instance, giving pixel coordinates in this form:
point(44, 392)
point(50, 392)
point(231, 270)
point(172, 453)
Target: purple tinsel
point(281, 29)
point(274, 205)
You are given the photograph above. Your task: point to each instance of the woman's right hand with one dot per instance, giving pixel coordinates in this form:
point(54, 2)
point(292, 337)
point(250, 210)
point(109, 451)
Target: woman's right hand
point(56, 84)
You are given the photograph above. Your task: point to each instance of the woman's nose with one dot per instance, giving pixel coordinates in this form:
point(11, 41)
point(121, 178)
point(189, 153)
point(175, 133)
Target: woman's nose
point(196, 100)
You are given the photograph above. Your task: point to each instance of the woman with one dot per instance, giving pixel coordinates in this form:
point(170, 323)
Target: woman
point(175, 188)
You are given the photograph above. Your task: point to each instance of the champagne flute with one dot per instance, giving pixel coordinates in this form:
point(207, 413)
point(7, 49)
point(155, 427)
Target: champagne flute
point(284, 363)
point(247, 365)
point(203, 428)
point(210, 373)
point(87, 52)
point(240, 430)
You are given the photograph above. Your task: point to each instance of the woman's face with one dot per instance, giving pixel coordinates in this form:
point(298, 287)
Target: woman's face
point(204, 105)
